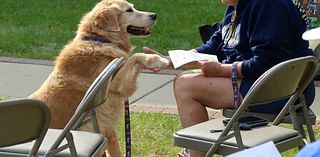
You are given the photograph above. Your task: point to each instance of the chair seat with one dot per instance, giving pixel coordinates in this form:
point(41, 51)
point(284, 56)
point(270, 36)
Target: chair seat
point(86, 144)
point(201, 138)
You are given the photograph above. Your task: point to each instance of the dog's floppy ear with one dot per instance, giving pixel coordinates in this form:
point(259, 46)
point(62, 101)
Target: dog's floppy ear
point(107, 19)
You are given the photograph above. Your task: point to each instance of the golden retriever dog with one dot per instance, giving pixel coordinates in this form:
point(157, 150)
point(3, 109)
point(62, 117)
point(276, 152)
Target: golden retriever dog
point(102, 35)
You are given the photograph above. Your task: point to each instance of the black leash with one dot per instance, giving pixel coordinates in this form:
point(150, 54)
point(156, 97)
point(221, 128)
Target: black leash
point(127, 119)
point(150, 92)
point(234, 79)
point(127, 128)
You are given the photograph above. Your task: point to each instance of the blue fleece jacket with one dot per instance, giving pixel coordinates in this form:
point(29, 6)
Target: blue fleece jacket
point(266, 32)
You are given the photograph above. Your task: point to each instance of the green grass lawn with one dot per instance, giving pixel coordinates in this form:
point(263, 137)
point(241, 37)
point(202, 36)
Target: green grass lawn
point(151, 134)
point(40, 28)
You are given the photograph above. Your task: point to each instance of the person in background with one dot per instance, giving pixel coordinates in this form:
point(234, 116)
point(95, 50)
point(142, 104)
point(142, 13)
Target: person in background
point(253, 36)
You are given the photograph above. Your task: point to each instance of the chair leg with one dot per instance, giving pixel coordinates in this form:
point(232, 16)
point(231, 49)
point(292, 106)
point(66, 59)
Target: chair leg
point(311, 133)
point(238, 135)
point(300, 129)
point(293, 115)
point(71, 145)
point(95, 121)
point(308, 124)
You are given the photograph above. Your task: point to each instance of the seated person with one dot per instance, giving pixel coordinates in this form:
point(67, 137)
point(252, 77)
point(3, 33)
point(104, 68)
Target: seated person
point(254, 35)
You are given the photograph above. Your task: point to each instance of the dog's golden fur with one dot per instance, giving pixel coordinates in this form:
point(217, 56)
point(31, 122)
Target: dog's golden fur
point(102, 35)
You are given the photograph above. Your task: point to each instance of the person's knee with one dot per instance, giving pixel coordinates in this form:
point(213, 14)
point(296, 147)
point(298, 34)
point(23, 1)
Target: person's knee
point(182, 90)
point(179, 82)
point(183, 83)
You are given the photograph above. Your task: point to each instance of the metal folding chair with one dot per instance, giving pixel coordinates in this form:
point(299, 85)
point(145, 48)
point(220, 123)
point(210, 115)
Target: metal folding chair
point(285, 80)
point(22, 121)
point(68, 142)
point(305, 116)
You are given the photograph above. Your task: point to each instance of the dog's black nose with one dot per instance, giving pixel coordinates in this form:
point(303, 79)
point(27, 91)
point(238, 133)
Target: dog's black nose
point(153, 16)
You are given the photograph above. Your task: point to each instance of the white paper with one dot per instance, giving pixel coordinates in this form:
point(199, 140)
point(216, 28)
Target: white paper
point(264, 150)
point(181, 57)
point(311, 34)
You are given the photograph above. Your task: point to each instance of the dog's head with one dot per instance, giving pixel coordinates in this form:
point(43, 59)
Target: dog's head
point(117, 17)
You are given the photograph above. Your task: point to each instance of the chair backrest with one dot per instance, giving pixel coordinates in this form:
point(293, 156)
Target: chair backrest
point(23, 120)
point(95, 96)
point(283, 80)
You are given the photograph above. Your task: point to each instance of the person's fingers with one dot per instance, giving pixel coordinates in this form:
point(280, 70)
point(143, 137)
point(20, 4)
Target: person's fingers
point(201, 63)
point(156, 70)
point(150, 51)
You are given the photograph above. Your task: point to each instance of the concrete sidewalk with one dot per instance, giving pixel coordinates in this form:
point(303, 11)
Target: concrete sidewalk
point(21, 77)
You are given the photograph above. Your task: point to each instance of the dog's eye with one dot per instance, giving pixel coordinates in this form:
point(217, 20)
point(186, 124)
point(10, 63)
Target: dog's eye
point(129, 10)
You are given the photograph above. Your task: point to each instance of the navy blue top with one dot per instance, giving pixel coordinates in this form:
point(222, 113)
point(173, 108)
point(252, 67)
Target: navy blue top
point(267, 32)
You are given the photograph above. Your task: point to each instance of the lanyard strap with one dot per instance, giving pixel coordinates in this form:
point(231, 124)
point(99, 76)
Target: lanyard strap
point(235, 85)
point(127, 128)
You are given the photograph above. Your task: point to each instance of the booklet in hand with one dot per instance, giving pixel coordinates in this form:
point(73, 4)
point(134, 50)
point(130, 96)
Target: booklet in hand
point(181, 57)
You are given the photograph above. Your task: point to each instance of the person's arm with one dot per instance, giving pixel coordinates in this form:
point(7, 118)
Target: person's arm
point(215, 43)
point(273, 35)
point(211, 46)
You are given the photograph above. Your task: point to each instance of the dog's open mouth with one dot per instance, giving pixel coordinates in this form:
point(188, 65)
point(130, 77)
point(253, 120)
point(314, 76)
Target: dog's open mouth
point(134, 30)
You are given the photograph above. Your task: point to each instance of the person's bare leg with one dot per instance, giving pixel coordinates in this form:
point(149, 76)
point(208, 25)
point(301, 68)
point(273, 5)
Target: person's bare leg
point(194, 92)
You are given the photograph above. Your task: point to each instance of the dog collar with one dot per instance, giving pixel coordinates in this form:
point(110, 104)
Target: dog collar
point(96, 39)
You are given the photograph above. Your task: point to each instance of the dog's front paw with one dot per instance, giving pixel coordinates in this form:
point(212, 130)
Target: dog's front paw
point(154, 61)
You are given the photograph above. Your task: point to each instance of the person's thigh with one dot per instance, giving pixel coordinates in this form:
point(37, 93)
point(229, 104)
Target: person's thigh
point(213, 92)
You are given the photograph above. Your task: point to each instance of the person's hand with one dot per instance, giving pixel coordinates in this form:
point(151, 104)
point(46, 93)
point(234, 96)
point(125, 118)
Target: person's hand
point(148, 50)
point(210, 68)
point(194, 50)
